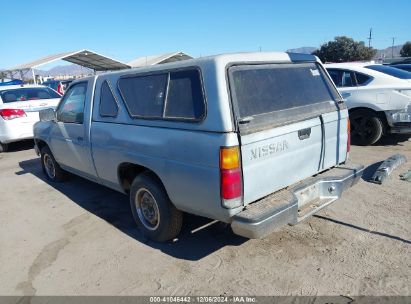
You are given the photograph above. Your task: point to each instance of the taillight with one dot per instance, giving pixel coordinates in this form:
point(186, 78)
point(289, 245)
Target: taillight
point(9, 114)
point(348, 135)
point(231, 179)
point(60, 89)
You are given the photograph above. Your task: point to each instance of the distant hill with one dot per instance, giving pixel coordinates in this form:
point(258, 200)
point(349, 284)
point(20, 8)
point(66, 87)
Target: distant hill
point(72, 70)
point(387, 53)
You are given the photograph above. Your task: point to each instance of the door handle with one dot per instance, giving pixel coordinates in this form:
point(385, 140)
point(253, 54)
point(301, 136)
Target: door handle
point(304, 133)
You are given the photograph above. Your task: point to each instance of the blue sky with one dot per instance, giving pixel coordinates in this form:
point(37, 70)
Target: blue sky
point(128, 29)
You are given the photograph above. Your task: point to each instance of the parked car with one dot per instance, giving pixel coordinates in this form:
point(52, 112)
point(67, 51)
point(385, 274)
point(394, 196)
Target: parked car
point(220, 137)
point(402, 66)
point(379, 104)
point(19, 110)
point(58, 85)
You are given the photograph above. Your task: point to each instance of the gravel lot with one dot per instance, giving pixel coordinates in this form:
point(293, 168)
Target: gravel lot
point(78, 238)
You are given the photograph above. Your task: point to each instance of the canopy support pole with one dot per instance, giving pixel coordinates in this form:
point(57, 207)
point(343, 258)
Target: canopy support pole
point(34, 76)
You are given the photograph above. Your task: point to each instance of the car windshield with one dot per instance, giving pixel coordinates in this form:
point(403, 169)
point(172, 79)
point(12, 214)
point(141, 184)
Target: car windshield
point(26, 94)
point(390, 71)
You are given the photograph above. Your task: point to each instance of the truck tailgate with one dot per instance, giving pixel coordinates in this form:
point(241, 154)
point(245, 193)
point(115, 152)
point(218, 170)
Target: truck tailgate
point(291, 125)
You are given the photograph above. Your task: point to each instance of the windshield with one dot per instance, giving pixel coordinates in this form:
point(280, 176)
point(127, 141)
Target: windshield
point(390, 71)
point(26, 94)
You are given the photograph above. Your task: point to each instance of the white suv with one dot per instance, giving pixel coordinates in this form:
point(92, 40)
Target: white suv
point(19, 110)
point(378, 98)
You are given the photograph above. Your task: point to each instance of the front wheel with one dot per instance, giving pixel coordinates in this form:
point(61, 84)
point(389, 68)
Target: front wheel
point(366, 128)
point(152, 210)
point(51, 168)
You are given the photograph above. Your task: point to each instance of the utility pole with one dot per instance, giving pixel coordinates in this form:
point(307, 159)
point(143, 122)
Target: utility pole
point(370, 38)
point(392, 48)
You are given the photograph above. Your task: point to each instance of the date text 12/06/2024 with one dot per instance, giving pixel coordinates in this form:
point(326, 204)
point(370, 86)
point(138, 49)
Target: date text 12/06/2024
point(203, 299)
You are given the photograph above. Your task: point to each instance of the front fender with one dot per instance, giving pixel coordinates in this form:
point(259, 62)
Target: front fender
point(41, 131)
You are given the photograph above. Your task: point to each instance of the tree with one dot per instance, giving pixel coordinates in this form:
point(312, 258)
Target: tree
point(344, 49)
point(406, 49)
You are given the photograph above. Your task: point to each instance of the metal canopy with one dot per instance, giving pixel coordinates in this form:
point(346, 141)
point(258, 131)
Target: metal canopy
point(158, 59)
point(84, 58)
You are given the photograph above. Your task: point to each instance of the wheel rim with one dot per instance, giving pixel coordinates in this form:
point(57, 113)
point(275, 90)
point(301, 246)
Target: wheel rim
point(362, 128)
point(147, 209)
point(49, 166)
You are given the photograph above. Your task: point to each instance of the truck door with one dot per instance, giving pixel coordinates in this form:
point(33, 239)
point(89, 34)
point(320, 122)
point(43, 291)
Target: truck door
point(69, 137)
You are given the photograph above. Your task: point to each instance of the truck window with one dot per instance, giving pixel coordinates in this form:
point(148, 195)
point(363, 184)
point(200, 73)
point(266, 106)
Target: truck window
point(144, 95)
point(71, 107)
point(185, 96)
point(108, 103)
point(269, 95)
point(276, 87)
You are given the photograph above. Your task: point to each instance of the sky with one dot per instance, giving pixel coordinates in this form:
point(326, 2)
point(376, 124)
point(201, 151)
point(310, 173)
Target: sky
point(125, 30)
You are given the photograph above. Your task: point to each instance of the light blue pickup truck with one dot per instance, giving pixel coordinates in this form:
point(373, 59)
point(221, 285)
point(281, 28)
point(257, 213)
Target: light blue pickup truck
point(257, 140)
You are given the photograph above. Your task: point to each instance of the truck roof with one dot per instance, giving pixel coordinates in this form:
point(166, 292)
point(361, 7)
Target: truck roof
point(223, 59)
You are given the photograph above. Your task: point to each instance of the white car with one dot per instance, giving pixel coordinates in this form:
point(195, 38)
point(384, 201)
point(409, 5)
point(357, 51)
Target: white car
point(19, 110)
point(378, 98)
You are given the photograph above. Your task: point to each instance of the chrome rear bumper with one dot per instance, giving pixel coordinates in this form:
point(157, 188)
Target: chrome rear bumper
point(291, 206)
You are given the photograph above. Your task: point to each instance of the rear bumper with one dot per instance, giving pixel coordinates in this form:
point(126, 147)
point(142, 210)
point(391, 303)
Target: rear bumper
point(12, 131)
point(291, 206)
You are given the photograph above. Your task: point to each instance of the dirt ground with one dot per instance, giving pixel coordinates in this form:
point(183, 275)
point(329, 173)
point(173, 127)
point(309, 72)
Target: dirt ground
point(78, 238)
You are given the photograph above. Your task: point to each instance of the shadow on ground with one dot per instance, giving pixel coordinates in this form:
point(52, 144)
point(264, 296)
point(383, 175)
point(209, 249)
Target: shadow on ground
point(392, 140)
point(113, 207)
point(370, 170)
point(383, 234)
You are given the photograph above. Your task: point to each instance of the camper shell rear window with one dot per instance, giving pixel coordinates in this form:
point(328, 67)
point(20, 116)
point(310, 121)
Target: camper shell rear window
point(267, 95)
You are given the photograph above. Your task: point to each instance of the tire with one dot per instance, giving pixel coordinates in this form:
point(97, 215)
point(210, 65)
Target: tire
point(4, 147)
point(155, 215)
point(366, 128)
point(51, 168)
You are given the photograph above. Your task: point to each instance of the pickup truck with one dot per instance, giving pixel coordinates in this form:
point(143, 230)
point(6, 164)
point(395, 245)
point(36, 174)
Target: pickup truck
point(256, 140)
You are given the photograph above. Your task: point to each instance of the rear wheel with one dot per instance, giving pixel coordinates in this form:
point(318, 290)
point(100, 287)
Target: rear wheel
point(152, 210)
point(51, 168)
point(366, 128)
point(3, 147)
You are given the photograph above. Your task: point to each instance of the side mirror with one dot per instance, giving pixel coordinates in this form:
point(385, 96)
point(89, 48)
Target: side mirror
point(47, 115)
